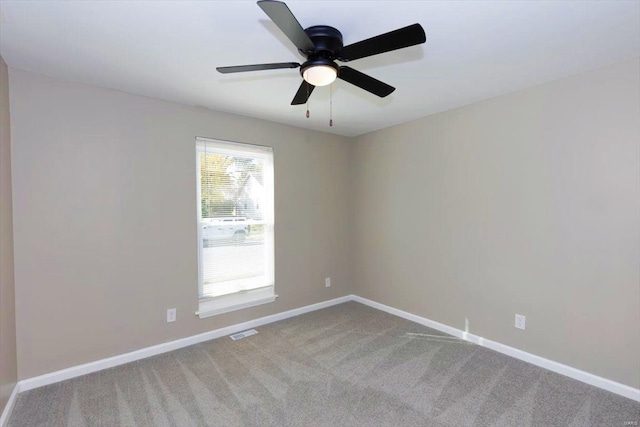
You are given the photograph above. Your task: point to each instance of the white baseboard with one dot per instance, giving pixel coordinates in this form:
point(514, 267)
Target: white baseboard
point(576, 374)
point(76, 371)
point(6, 413)
point(87, 368)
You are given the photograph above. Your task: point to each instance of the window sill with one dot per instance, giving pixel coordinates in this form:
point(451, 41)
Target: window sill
point(227, 303)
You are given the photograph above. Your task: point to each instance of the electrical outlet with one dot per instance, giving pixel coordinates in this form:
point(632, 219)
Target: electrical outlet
point(327, 282)
point(466, 325)
point(520, 321)
point(171, 315)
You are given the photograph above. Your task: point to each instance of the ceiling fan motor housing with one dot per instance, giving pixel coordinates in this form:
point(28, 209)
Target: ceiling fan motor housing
point(327, 41)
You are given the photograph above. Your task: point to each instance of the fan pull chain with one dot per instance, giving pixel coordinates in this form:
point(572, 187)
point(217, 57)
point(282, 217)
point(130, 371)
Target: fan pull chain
point(331, 105)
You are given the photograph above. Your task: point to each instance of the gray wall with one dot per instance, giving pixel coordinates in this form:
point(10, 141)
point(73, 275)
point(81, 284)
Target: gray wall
point(8, 365)
point(528, 203)
point(105, 219)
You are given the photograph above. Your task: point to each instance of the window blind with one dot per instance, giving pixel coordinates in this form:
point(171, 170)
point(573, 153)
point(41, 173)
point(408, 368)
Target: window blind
point(235, 217)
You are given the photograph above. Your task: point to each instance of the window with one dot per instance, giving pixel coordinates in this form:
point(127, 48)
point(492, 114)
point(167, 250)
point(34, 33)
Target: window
point(235, 226)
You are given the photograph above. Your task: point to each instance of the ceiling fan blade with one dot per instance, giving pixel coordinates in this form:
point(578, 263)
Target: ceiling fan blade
point(257, 67)
point(393, 40)
point(304, 91)
point(288, 24)
point(365, 82)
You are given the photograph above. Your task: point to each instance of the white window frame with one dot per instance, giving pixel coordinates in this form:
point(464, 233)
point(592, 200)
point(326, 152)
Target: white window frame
point(212, 306)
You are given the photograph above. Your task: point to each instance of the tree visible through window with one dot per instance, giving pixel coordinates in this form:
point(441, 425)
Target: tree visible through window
point(235, 218)
point(231, 185)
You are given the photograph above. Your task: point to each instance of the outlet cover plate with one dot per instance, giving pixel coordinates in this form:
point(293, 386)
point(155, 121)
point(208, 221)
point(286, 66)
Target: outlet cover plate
point(171, 315)
point(520, 321)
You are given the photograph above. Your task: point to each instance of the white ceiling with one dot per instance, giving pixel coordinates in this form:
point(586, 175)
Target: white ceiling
point(169, 50)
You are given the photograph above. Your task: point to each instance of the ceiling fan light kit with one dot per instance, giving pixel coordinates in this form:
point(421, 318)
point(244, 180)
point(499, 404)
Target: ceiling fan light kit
point(320, 74)
point(322, 45)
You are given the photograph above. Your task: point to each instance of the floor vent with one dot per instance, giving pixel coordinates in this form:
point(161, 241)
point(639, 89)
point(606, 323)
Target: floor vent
point(243, 334)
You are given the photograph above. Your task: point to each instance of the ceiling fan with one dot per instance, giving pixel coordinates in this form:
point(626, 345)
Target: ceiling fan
point(322, 45)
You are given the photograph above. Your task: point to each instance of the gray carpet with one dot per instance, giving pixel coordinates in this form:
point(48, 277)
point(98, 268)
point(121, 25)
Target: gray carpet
point(347, 365)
